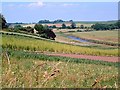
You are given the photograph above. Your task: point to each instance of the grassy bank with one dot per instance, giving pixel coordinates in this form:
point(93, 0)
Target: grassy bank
point(31, 44)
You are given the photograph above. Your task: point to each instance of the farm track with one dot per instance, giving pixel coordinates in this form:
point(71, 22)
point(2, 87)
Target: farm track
point(101, 58)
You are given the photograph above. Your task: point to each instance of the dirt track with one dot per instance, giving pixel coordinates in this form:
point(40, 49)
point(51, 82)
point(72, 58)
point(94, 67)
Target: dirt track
point(101, 58)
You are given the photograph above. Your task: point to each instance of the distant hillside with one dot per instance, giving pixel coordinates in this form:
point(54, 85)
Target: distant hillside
point(68, 23)
point(94, 22)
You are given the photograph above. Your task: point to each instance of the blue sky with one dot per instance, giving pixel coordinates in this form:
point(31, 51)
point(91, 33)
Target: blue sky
point(77, 11)
point(60, 0)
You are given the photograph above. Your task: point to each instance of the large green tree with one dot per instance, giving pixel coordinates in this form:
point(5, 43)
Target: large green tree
point(2, 21)
point(73, 25)
point(81, 26)
point(45, 31)
point(39, 28)
point(63, 26)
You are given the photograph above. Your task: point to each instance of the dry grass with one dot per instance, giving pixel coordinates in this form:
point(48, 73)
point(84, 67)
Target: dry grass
point(50, 74)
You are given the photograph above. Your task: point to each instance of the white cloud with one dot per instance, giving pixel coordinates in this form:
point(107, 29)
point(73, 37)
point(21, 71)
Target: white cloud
point(69, 4)
point(39, 3)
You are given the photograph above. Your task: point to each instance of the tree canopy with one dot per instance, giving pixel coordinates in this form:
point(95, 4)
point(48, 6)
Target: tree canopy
point(73, 25)
point(39, 28)
point(45, 31)
point(118, 24)
point(81, 26)
point(44, 21)
point(99, 26)
point(63, 26)
point(2, 21)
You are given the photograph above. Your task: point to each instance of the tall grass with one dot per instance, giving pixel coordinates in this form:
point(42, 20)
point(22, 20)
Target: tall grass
point(26, 43)
point(28, 70)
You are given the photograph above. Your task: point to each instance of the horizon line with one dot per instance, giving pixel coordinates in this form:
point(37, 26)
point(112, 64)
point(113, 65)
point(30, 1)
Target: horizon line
point(68, 21)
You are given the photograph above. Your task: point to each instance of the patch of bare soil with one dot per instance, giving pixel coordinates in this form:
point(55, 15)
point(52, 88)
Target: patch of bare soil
point(101, 58)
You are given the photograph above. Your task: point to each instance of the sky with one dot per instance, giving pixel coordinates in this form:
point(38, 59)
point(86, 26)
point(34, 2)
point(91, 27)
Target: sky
point(60, 0)
point(29, 12)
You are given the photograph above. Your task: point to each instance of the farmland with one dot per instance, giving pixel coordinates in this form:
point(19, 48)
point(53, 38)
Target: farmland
point(32, 70)
point(110, 36)
point(59, 45)
point(27, 68)
point(25, 43)
point(100, 39)
point(26, 64)
point(32, 61)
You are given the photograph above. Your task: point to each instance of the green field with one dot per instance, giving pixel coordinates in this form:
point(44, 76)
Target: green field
point(22, 66)
point(110, 36)
point(24, 69)
point(27, 43)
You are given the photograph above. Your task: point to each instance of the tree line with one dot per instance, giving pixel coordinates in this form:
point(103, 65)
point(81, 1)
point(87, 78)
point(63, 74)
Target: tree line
point(55, 21)
point(99, 26)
